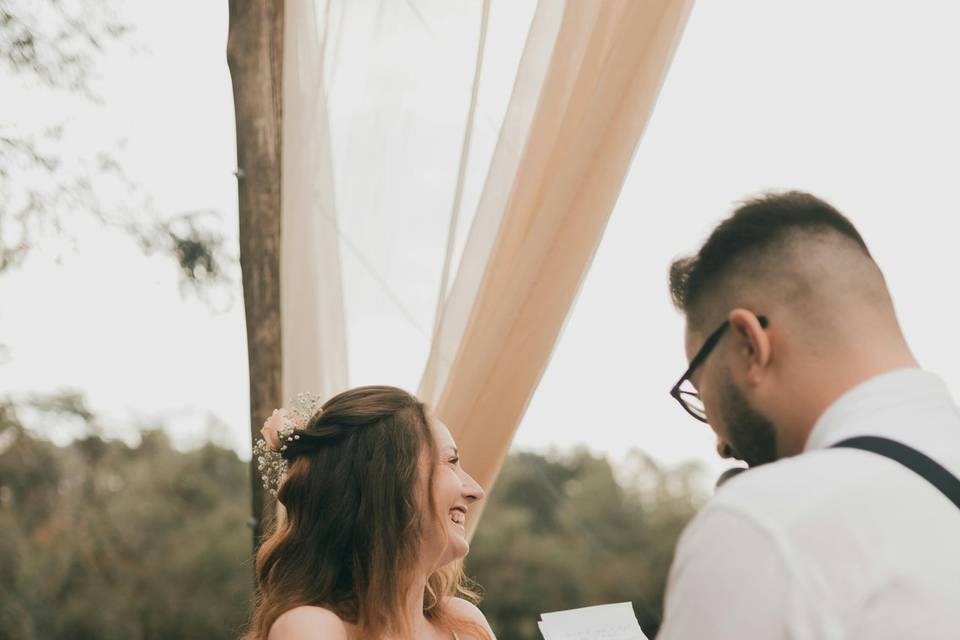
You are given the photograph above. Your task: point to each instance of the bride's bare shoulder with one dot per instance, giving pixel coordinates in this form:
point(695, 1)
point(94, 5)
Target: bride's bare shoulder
point(308, 623)
point(468, 611)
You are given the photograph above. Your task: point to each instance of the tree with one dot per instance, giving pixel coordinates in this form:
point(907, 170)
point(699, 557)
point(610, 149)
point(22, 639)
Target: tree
point(255, 54)
point(562, 532)
point(106, 540)
point(52, 50)
point(55, 46)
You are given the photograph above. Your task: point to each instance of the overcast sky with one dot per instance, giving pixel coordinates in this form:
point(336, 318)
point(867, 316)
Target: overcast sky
point(856, 102)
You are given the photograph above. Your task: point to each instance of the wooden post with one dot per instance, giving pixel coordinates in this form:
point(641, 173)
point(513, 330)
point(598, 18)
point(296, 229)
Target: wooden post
point(255, 58)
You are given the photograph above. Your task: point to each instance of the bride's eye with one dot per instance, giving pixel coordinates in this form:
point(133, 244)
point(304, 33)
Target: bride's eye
point(455, 460)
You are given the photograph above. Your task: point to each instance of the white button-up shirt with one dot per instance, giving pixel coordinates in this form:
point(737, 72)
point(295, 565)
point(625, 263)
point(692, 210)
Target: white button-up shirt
point(833, 543)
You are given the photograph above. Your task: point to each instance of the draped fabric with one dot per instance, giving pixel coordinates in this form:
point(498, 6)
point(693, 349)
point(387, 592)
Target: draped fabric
point(595, 70)
point(502, 202)
point(313, 330)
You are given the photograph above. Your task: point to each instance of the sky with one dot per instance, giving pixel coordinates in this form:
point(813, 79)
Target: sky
point(855, 102)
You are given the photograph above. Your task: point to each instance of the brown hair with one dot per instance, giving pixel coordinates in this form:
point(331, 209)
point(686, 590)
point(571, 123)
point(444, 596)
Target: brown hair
point(759, 226)
point(351, 537)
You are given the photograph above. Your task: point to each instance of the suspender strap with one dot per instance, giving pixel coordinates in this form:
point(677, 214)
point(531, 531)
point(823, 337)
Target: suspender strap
point(947, 483)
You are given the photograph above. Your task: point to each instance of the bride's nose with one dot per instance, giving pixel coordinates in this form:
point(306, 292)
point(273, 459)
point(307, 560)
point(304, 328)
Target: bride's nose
point(472, 491)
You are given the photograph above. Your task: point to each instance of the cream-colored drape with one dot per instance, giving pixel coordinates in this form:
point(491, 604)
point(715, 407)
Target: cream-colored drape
point(586, 84)
point(586, 87)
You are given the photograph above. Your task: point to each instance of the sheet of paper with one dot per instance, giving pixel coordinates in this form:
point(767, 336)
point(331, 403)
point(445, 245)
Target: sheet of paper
point(603, 622)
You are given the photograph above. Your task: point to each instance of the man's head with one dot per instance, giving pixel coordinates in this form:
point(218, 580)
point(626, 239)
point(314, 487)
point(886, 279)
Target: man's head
point(809, 316)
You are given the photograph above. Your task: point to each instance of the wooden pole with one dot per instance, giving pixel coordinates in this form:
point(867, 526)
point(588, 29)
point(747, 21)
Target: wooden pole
point(255, 58)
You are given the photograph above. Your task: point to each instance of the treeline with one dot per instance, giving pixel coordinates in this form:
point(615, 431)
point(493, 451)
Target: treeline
point(562, 532)
point(101, 540)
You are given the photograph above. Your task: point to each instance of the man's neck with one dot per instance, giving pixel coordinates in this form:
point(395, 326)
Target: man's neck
point(853, 370)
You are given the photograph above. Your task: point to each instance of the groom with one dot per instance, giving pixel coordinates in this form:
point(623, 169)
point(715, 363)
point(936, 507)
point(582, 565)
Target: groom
point(795, 355)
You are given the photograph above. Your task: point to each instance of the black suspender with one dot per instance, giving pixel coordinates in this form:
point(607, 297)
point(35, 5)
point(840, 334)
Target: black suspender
point(947, 483)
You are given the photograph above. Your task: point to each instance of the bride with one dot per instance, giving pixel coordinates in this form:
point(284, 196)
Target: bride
point(371, 538)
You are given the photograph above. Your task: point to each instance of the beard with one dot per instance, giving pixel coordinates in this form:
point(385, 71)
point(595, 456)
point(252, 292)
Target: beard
point(752, 437)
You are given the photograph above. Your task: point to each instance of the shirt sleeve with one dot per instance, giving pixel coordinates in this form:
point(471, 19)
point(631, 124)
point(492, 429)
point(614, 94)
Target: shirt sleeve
point(728, 580)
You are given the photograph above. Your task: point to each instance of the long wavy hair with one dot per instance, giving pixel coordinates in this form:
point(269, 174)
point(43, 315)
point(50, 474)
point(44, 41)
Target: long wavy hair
point(351, 536)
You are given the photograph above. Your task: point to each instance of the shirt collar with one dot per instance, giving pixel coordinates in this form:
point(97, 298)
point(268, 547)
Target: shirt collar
point(897, 394)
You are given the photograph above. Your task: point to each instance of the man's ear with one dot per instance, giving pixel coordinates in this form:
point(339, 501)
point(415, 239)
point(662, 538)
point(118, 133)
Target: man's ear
point(751, 343)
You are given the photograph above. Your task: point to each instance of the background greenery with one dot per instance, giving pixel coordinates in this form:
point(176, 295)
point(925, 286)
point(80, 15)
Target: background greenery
point(110, 541)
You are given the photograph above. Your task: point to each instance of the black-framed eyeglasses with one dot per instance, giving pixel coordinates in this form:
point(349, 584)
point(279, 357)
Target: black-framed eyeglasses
point(689, 397)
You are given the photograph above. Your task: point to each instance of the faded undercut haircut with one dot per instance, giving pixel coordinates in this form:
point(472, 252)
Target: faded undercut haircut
point(755, 237)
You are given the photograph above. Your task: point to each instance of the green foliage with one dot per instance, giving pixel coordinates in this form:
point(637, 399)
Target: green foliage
point(54, 51)
point(107, 541)
point(565, 532)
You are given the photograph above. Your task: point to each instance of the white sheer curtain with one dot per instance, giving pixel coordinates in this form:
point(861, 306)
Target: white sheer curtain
point(313, 330)
point(519, 117)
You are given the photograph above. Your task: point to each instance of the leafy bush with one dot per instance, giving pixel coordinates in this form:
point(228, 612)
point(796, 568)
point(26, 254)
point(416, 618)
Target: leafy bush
point(105, 541)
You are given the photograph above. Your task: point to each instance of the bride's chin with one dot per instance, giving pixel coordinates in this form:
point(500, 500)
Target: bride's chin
point(457, 541)
point(454, 553)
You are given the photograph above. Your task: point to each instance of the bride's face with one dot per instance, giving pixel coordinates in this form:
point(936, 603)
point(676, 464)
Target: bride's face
point(454, 491)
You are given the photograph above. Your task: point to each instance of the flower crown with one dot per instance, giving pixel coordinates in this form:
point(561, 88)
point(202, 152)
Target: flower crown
point(279, 431)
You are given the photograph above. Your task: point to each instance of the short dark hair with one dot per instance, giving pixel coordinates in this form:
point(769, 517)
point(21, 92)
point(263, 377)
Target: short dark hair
point(759, 224)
